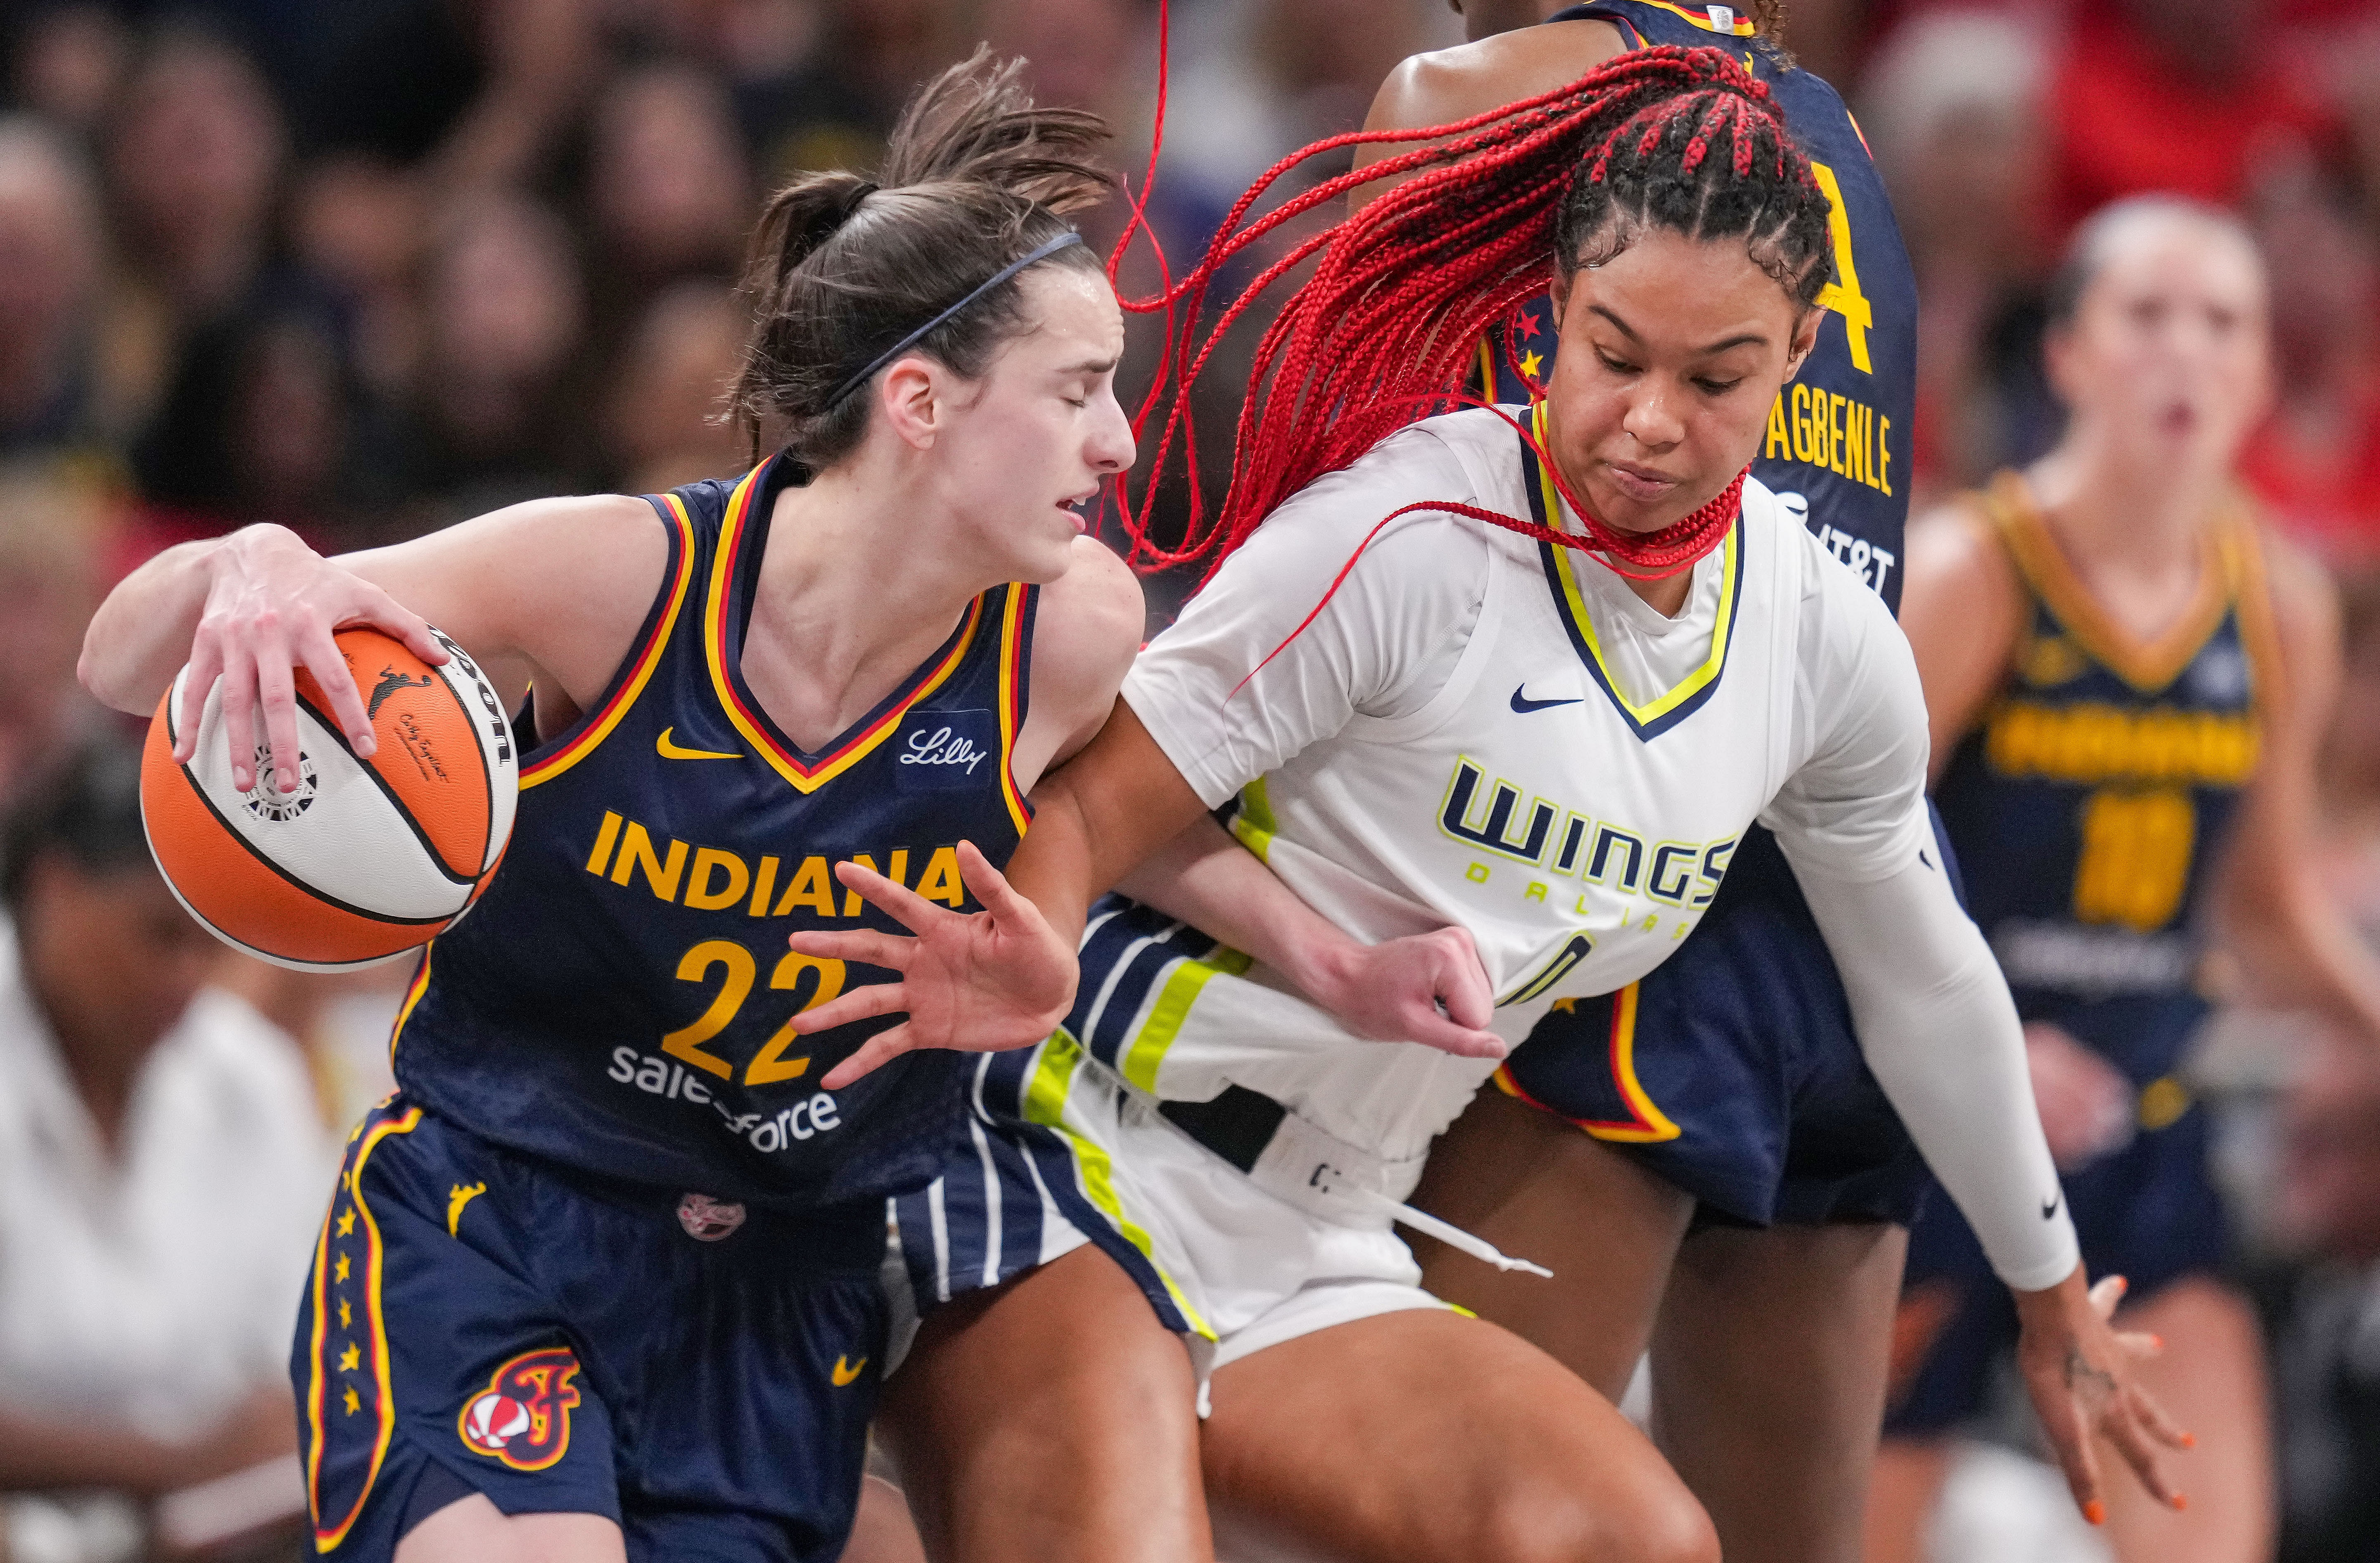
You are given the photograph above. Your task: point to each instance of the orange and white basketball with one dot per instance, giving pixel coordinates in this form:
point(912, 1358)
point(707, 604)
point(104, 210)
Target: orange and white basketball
point(368, 858)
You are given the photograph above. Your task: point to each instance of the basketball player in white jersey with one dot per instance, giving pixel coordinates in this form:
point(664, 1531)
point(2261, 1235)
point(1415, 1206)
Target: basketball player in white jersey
point(1431, 723)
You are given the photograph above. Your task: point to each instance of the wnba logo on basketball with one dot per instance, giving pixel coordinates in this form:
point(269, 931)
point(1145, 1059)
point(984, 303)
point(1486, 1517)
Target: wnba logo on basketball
point(523, 1417)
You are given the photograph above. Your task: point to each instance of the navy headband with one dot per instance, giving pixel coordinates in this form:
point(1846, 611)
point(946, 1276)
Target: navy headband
point(911, 340)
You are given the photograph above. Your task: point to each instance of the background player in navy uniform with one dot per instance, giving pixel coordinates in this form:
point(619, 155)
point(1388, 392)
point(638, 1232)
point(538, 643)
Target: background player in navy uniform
point(603, 1278)
point(1741, 1178)
point(2127, 683)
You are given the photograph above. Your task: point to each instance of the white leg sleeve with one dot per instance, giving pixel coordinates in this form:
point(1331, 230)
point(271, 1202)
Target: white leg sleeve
point(1941, 1031)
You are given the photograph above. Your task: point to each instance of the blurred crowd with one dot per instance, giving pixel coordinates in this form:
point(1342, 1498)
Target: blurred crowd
point(365, 269)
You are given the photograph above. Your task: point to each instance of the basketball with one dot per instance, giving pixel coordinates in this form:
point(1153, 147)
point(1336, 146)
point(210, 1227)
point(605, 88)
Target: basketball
point(368, 857)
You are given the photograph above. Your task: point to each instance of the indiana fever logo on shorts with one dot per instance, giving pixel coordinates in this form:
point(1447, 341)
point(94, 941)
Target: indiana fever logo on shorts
point(523, 1416)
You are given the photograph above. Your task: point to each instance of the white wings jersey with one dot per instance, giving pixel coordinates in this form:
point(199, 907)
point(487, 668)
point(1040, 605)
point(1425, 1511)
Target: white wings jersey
point(1482, 730)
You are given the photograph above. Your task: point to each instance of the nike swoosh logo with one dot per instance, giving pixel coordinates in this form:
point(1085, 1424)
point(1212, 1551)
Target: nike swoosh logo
point(847, 1372)
point(1524, 704)
point(672, 751)
point(2049, 1208)
point(1923, 859)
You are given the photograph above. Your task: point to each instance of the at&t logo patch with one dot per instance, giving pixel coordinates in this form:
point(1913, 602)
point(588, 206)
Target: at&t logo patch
point(523, 1416)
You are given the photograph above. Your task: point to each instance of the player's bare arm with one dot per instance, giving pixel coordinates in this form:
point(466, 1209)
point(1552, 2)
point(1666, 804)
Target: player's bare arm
point(552, 590)
point(1428, 988)
point(1962, 611)
point(1447, 85)
point(1087, 629)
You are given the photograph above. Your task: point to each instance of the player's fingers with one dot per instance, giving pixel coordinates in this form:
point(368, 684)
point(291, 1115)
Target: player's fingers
point(2108, 1291)
point(2140, 1344)
point(1463, 988)
point(2124, 1430)
point(859, 1004)
point(276, 693)
point(991, 888)
point(2160, 1424)
point(876, 1052)
point(2069, 1439)
point(321, 654)
point(1433, 1029)
point(206, 661)
point(896, 902)
point(385, 613)
point(237, 682)
point(865, 945)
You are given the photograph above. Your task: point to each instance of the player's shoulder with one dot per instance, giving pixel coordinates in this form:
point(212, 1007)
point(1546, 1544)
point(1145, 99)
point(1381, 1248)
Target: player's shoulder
point(1445, 85)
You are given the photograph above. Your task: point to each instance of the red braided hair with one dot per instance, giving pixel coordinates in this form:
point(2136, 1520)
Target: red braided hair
point(1385, 329)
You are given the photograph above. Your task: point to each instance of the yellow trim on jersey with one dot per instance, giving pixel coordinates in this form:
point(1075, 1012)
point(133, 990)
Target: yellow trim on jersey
point(2252, 598)
point(1044, 1103)
point(412, 996)
point(802, 778)
point(2147, 665)
point(648, 656)
point(352, 1185)
point(1254, 824)
point(1149, 1044)
point(1731, 578)
point(1012, 652)
point(1701, 18)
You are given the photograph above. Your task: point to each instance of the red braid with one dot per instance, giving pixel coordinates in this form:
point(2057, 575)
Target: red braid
point(1386, 328)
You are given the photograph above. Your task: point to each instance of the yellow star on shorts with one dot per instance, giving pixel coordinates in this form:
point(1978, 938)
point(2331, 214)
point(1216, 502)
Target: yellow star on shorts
point(351, 1359)
point(354, 1402)
point(347, 1227)
point(1530, 364)
point(347, 1313)
point(339, 1272)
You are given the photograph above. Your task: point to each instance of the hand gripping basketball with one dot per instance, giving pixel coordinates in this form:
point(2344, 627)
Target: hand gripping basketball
point(270, 608)
point(980, 983)
point(2078, 1373)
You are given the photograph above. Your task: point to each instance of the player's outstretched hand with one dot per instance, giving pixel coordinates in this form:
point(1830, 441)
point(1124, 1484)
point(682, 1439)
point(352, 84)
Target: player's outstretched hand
point(980, 983)
point(1428, 988)
point(2079, 1372)
point(272, 607)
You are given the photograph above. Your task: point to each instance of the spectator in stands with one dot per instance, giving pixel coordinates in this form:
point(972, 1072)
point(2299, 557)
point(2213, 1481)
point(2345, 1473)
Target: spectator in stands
point(194, 164)
point(51, 242)
point(502, 322)
point(668, 194)
point(49, 579)
point(2316, 465)
point(266, 421)
point(664, 416)
point(1953, 107)
point(164, 1160)
point(69, 60)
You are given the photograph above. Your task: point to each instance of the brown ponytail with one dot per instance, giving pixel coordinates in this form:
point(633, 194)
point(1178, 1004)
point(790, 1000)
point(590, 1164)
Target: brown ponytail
point(843, 267)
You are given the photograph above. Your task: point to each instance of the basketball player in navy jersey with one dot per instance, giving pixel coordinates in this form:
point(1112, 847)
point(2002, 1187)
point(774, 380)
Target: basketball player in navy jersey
point(2127, 684)
point(601, 1281)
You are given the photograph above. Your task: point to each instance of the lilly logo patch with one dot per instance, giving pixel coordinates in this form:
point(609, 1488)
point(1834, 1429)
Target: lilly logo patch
point(523, 1416)
point(944, 750)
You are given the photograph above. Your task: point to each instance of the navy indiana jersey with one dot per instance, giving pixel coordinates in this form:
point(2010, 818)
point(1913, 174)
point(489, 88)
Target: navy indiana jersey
point(621, 1001)
point(2090, 802)
point(1837, 450)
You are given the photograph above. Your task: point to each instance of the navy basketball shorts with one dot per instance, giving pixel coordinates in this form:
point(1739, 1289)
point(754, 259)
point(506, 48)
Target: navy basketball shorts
point(2149, 1212)
point(481, 1321)
point(1732, 1070)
